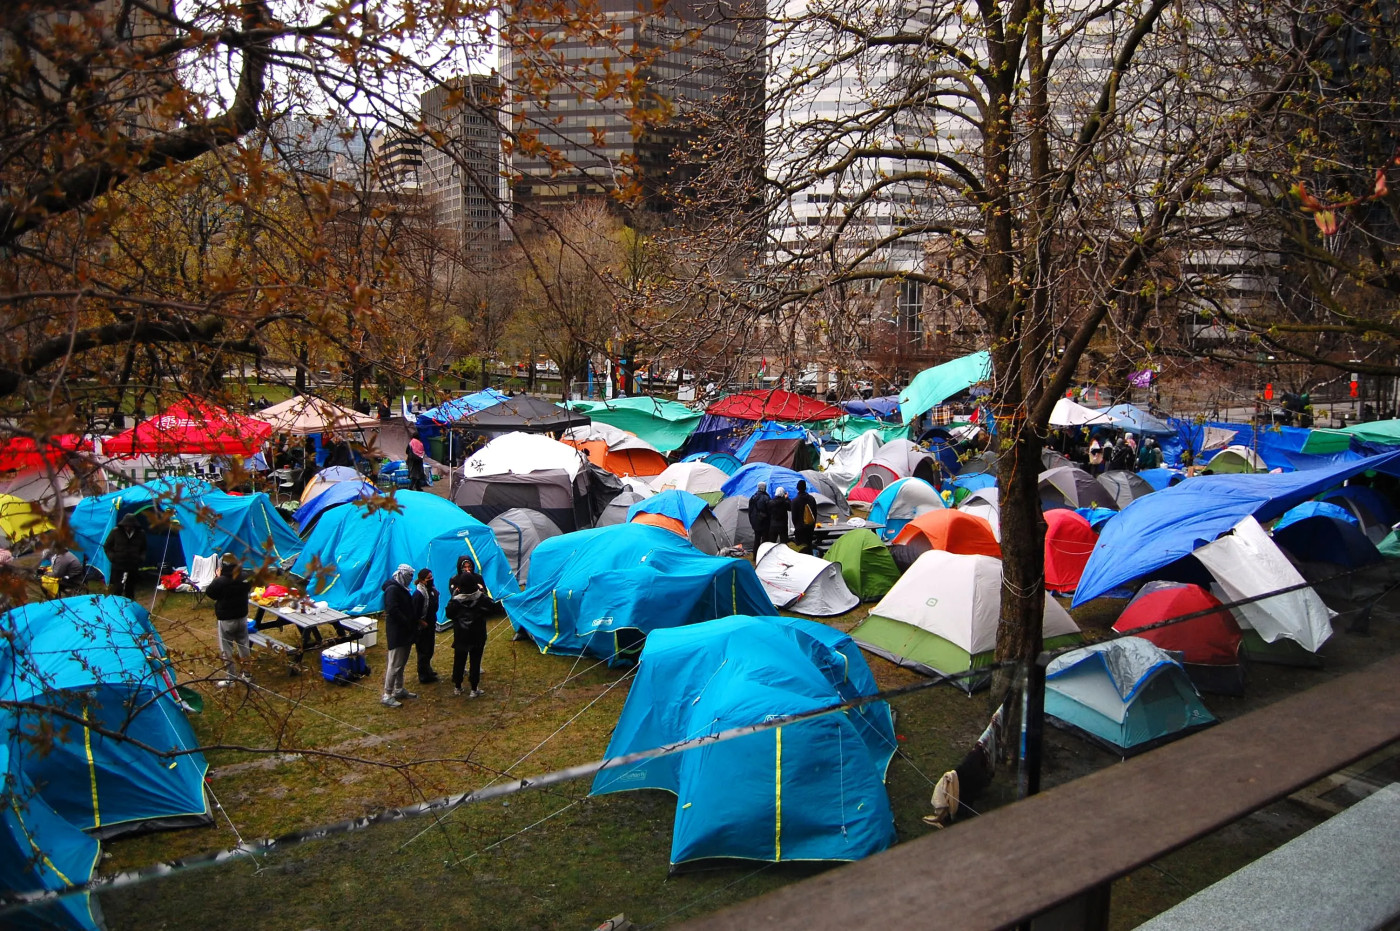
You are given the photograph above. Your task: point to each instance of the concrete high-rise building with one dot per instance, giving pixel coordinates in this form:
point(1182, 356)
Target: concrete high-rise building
point(462, 177)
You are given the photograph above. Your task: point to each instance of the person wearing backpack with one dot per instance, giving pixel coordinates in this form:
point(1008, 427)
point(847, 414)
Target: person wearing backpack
point(1124, 457)
point(804, 518)
point(466, 610)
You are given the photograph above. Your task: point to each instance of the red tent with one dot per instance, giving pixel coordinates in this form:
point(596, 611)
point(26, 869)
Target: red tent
point(193, 428)
point(774, 404)
point(1212, 639)
point(1068, 542)
point(23, 454)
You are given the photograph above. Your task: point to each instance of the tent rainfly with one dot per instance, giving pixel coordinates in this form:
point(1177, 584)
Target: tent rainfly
point(1236, 459)
point(698, 478)
point(685, 514)
point(866, 564)
point(664, 424)
point(1124, 487)
point(518, 531)
point(616, 511)
point(1209, 644)
point(986, 504)
point(901, 502)
point(803, 584)
point(848, 461)
point(1068, 542)
point(1071, 487)
point(733, 515)
point(951, 530)
point(616, 450)
point(895, 460)
point(523, 414)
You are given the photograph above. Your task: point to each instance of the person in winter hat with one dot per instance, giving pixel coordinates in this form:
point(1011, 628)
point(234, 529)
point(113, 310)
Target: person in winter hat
point(466, 609)
point(400, 628)
point(779, 509)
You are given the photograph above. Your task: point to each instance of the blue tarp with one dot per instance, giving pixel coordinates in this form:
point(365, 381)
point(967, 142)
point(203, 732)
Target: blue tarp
point(745, 481)
point(97, 658)
point(337, 493)
point(1160, 528)
point(884, 408)
point(973, 482)
point(1133, 419)
point(812, 790)
point(673, 503)
point(1273, 444)
point(602, 591)
point(715, 434)
point(770, 430)
point(1161, 478)
point(430, 422)
point(358, 549)
point(1305, 461)
point(1096, 517)
point(1314, 509)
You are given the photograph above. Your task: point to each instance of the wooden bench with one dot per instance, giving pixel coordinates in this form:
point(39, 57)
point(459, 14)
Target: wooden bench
point(270, 643)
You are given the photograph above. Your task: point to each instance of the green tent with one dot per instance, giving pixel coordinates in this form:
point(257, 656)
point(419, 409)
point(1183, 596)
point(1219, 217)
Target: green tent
point(1321, 442)
point(866, 564)
point(1390, 546)
point(849, 428)
point(662, 423)
point(932, 387)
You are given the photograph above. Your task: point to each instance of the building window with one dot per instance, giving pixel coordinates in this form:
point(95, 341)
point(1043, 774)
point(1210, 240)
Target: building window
point(909, 309)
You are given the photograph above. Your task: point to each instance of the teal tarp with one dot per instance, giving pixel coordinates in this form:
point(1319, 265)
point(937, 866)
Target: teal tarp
point(98, 658)
point(662, 423)
point(813, 790)
point(849, 428)
point(358, 549)
point(601, 591)
point(932, 387)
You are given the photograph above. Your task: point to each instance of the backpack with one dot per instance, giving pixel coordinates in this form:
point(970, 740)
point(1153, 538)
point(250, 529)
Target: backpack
point(1123, 457)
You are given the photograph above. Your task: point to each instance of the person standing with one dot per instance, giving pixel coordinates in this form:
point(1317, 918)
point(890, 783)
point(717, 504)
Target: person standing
point(413, 458)
point(229, 592)
point(804, 518)
point(778, 510)
point(466, 609)
point(425, 608)
point(1095, 456)
point(400, 627)
point(760, 505)
point(125, 547)
point(1149, 457)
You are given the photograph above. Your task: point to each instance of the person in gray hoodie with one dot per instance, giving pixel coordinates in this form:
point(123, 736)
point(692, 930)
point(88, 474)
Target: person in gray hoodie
point(400, 629)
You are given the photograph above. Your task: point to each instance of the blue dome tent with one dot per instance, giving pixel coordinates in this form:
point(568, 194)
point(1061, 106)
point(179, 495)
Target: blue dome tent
point(901, 502)
point(94, 518)
point(811, 790)
point(97, 658)
point(745, 481)
point(602, 591)
point(335, 494)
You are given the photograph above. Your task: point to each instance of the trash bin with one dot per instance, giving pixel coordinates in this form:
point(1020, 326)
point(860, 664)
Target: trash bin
point(436, 449)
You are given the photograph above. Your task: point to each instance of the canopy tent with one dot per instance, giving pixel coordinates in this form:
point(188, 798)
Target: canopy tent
point(811, 790)
point(787, 445)
point(1236, 459)
point(600, 592)
point(1125, 694)
point(517, 532)
point(846, 465)
point(684, 514)
point(25, 454)
point(895, 460)
point(359, 549)
point(619, 452)
point(885, 407)
point(1377, 433)
point(20, 520)
point(1072, 487)
point(1133, 419)
point(941, 618)
point(431, 421)
point(933, 386)
point(97, 659)
point(1123, 487)
point(901, 502)
point(698, 478)
point(191, 428)
point(523, 414)
point(303, 415)
point(1209, 644)
point(1067, 413)
point(803, 584)
point(949, 530)
point(1246, 564)
point(332, 495)
point(1068, 542)
point(866, 564)
point(986, 504)
point(773, 404)
point(1161, 528)
point(664, 424)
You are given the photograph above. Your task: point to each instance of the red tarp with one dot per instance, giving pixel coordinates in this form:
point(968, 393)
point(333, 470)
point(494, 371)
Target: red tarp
point(1068, 542)
point(22, 454)
point(192, 428)
point(775, 404)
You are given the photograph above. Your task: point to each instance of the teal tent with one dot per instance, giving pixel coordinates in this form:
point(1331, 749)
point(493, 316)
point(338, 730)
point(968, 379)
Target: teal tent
point(248, 526)
point(1126, 694)
point(850, 427)
point(356, 549)
point(601, 591)
point(97, 659)
point(811, 790)
point(662, 423)
point(95, 517)
point(932, 387)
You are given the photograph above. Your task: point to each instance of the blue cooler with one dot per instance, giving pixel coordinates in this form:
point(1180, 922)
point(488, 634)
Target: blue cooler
point(344, 662)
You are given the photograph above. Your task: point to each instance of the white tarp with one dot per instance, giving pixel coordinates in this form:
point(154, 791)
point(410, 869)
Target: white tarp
point(521, 454)
point(958, 597)
point(616, 438)
point(1246, 563)
point(803, 584)
point(1069, 414)
point(845, 467)
point(698, 478)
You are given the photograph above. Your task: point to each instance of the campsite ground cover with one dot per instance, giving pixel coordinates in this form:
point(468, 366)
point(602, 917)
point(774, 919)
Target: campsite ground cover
point(553, 857)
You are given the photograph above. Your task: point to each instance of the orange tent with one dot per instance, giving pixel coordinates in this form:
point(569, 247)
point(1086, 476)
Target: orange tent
point(626, 461)
point(951, 531)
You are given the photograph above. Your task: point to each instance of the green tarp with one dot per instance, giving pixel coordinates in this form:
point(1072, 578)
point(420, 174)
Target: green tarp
point(1382, 432)
point(1321, 442)
point(662, 423)
point(866, 564)
point(932, 387)
point(850, 428)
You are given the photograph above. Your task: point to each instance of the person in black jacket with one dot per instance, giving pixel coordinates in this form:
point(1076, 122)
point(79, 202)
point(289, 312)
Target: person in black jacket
point(337, 452)
point(400, 627)
point(125, 547)
point(425, 608)
point(759, 508)
point(466, 609)
point(778, 510)
point(804, 518)
point(229, 592)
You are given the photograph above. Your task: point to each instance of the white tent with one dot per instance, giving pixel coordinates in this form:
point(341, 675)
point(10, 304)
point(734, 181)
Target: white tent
point(638, 485)
point(1067, 413)
point(698, 478)
point(521, 454)
point(519, 531)
point(846, 465)
point(1246, 563)
point(986, 504)
point(803, 584)
point(303, 415)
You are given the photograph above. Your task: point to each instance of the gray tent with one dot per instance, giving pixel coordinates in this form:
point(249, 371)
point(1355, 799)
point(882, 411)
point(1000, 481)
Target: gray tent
point(733, 515)
point(823, 486)
point(519, 531)
point(616, 511)
point(562, 498)
point(1071, 487)
point(1125, 487)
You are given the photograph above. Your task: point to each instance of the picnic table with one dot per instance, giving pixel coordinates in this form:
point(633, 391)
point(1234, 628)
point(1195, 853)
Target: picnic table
point(826, 534)
point(308, 622)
